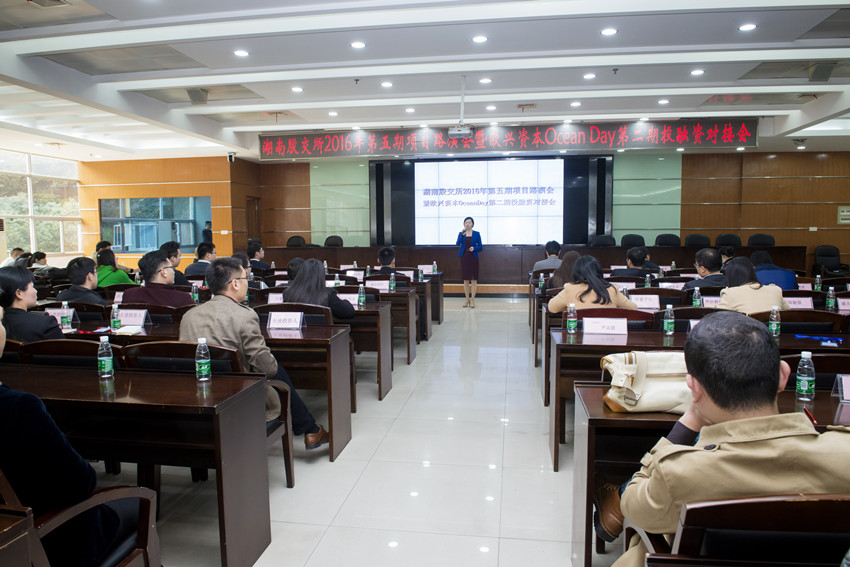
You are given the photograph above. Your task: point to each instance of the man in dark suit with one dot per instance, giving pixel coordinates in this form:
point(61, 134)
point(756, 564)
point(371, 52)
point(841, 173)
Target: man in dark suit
point(708, 263)
point(386, 258)
point(171, 249)
point(206, 255)
point(158, 274)
point(768, 273)
point(206, 234)
point(635, 259)
point(82, 273)
point(256, 255)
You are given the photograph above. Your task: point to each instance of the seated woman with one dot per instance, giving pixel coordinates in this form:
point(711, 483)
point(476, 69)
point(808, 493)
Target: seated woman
point(589, 289)
point(309, 287)
point(108, 272)
point(564, 273)
point(744, 293)
point(17, 294)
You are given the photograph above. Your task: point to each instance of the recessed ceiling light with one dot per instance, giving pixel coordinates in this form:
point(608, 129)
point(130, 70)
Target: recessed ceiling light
point(663, 101)
point(563, 151)
point(568, 121)
point(450, 155)
point(801, 147)
point(644, 119)
point(483, 549)
point(409, 110)
point(393, 544)
point(661, 159)
point(240, 53)
point(386, 84)
point(589, 76)
point(697, 72)
point(491, 107)
point(333, 113)
point(355, 127)
point(297, 90)
point(479, 39)
point(494, 123)
point(621, 150)
point(38, 144)
point(575, 104)
point(680, 149)
point(485, 81)
point(747, 27)
point(358, 44)
point(506, 153)
point(741, 149)
point(609, 31)
point(423, 126)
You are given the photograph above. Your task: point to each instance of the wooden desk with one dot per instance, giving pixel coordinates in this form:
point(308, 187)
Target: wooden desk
point(16, 527)
point(613, 444)
point(437, 305)
point(403, 313)
point(159, 418)
point(372, 331)
point(423, 293)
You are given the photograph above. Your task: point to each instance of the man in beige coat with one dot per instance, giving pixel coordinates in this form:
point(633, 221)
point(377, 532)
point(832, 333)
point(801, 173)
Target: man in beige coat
point(226, 322)
point(745, 447)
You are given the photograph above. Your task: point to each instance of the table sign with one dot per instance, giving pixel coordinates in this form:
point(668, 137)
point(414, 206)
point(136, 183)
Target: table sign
point(613, 340)
point(355, 273)
point(278, 283)
point(344, 267)
point(349, 297)
point(625, 285)
point(275, 298)
point(425, 268)
point(409, 273)
point(285, 320)
point(806, 286)
point(671, 285)
point(333, 283)
point(56, 313)
point(285, 333)
point(843, 303)
point(694, 323)
point(646, 301)
point(666, 268)
point(710, 300)
point(801, 302)
point(605, 326)
point(381, 285)
point(134, 317)
point(694, 275)
point(623, 267)
point(119, 297)
point(841, 389)
point(281, 273)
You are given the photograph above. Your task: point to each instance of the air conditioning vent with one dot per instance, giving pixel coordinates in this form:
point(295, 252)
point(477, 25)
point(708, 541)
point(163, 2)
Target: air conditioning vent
point(48, 3)
point(2, 225)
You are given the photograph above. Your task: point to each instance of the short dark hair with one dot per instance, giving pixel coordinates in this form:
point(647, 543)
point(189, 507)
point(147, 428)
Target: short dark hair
point(637, 256)
point(470, 218)
point(17, 249)
point(293, 266)
point(13, 278)
point(243, 259)
point(760, 257)
point(171, 249)
point(221, 272)
point(386, 255)
point(553, 248)
point(710, 259)
point(36, 256)
point(101, 245)
point(152, 262)
point(735, 359)
point(253, 249)
point(739, 271)
point(205, 248)
point(727, 251)
point(208, 223)
point(79, 268)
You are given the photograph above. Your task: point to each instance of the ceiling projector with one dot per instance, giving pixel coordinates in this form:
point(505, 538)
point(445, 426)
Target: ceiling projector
point(460, 132)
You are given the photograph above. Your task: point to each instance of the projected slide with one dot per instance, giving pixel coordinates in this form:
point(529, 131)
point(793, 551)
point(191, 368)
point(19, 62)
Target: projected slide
point(512, 201)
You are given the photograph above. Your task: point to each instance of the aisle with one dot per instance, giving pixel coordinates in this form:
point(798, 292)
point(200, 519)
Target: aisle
point(451, 468)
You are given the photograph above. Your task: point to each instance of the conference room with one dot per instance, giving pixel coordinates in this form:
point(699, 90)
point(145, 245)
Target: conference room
point(329, 131)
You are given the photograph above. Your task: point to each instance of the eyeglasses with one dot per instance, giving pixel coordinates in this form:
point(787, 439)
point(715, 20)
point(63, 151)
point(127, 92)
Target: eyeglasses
point(237, 279)
point(167, 268)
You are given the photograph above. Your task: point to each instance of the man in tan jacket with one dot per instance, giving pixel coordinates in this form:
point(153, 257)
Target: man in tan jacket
point(745, 447)
point(226, 322)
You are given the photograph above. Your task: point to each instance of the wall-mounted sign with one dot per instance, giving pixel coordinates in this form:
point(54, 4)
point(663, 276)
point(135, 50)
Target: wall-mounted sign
point(604, 136)
point(843, 215)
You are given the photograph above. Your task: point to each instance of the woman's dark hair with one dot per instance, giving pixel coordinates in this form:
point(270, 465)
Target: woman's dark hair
point(588, 271)
point(740, 271)
point(36, 256)
point(12, 279)
point(106, 257)
point(308, 285)
point(469, 218)
point(24, 260)
point(564, 273)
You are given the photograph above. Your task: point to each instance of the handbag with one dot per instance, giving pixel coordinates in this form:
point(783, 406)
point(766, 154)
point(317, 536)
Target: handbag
point(647, 381)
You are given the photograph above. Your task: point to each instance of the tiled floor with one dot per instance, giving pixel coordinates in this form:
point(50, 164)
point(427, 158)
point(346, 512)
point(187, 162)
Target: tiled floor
point(451, 468)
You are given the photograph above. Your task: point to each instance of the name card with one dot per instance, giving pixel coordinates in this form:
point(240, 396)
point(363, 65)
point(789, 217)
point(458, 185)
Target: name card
point(134, 317)
point(671, 285)
point(646, 301)
point(843, 303)
point(56, 313)
point(605, 326)
point(333, 283)
point(408, 273)
point(694, 323)
point(285, 333)
point(613, 340)
point(625, 285)
point(425, 268)
point(275, 298)
point(710, 300)
point(693, 275)
point(349, 297)
point(278, 283)
point(806, 286)
point(344, 267)
point(281, 273)
point(666, 268)
point(119, 297)
point(381, 285)
point(623, 267)
point(285, 319)
point(355, 273)
point(800, 302)
point(842, 388)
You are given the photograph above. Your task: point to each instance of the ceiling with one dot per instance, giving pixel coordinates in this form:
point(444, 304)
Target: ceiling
point(113, 79)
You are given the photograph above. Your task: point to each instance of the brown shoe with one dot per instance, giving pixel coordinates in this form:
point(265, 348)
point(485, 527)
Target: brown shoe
point(319, 438)
point(608, 518)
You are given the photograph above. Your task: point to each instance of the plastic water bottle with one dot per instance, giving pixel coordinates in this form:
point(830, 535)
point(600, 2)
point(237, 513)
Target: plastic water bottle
point(202, 361)
point(392, 282)
point(572, 319)
point(673, 265)
point(104, 359)
point(421, 276)
point(272, 264)
point(647, 281)
point(361, 296)
point(806, 377)
point(660, 272)
point(696, 299)
point(355, 263)
point(325, 264)
point(541, 283)
point(775, 323)
point(138, 278)
point(196, 294)
point(368, 270)
point(669, 321)
point(65, 317)
point(336, 280)
point(818, 283)
point(115, 318)
point(434, 267)
point(831, 303)
point(625, 292)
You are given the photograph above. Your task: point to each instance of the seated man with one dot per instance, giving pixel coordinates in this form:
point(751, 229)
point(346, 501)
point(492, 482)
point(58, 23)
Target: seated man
point(13, 255)
point(647, 263)
point(708, 267)
point(224, 321)
point(82, 273)
point(732, 441)
point(171, 249)
point(256, 255)
point(386, 258)
point(635, 259)
point(206, 254)
point(158, 274)
point(252, 283)
point(768, 273)
point(552, 261)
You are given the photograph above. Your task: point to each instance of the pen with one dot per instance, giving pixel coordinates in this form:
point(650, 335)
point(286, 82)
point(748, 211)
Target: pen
point(808, 413)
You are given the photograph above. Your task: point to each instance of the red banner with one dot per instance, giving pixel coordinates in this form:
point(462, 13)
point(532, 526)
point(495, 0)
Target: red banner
point(598, 137)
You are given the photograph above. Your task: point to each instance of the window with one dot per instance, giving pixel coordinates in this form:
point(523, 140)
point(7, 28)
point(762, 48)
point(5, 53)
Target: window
point(141, 225)
point(41, 203)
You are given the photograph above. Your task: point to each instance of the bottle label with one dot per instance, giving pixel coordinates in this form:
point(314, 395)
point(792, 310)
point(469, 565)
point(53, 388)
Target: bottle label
point(805, 385)
point(115, 323)
point(195, 297)
point(817, 286)
point(572, 325)
point(104, 364)
point(697, 302)
point(830, 303)
point(66, 320)
point(542, 283)
point(202, 367)
point(774, 328)
point(669, 325)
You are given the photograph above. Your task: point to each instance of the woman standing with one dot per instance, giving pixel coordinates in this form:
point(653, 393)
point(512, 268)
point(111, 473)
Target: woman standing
point(470, 245)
